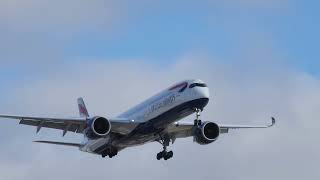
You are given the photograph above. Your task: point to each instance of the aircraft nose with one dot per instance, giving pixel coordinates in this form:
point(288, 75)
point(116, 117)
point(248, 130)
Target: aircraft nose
point(203, 92)
point(206, 93)
point(202, 96)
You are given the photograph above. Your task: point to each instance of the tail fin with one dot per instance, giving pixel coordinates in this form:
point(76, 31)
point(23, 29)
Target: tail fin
point(82, 108)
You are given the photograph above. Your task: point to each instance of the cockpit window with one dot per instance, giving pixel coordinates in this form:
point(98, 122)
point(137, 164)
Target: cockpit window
point(181, 87)
point(184, 88)
point(197, 85)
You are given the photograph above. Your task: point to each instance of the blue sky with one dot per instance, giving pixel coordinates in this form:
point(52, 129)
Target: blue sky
point(36, 40)
point(163, 31)
point(168, 32)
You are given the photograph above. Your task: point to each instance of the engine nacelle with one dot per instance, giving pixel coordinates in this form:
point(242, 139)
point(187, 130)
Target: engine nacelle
point(207, 133)
point(98, 127)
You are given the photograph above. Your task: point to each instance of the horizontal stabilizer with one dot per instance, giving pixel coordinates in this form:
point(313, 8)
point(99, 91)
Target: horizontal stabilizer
point(59, 143)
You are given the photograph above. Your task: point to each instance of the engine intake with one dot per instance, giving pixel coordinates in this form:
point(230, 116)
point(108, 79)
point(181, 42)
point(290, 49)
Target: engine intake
point(98, 127)
point(207, 133)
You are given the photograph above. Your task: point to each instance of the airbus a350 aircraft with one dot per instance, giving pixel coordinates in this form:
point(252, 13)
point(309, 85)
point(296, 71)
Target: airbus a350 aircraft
point(155, 120)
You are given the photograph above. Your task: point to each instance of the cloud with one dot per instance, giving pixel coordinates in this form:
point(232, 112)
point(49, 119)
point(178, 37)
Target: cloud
point(45, 15)
point(257, 85)
point(242, 93)
point(44, 32)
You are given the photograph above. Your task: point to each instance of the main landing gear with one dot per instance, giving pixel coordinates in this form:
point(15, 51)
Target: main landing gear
point(164, 154)
point(111, 152)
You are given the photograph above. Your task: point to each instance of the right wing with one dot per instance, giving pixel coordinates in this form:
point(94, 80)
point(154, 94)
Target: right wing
point(77, 125)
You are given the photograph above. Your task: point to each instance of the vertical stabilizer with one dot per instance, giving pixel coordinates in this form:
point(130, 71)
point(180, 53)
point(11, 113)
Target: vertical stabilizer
point(82, 108)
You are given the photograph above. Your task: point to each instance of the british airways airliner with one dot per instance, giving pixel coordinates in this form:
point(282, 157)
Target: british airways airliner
point(155, 120)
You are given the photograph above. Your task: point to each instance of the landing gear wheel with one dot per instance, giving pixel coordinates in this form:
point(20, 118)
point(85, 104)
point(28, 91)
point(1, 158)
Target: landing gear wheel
point(112, 154)
point(109, 152)
point(170, 154)
point(160, 155)
point(165, 155)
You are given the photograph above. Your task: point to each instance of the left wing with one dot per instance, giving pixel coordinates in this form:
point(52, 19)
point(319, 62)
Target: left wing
point(225, 128)
point(185, 129)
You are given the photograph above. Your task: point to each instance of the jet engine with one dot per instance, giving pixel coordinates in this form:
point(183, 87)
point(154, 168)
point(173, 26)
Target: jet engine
point(98, 127)
point(206, 133)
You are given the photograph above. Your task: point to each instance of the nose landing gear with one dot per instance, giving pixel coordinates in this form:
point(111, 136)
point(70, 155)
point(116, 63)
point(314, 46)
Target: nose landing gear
point(197, 121)
point(165, 141)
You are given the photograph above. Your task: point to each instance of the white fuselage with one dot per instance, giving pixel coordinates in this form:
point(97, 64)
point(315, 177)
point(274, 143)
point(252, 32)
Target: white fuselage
point(163, 102)
point(156, 106)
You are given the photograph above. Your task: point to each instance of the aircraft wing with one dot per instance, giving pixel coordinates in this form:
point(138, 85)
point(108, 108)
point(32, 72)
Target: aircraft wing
point(76, 125)
point(225, 128)
point(185, 129)
point(59, 143)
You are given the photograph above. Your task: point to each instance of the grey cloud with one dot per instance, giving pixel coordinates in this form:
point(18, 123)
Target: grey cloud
point(35, 33)
point(241, 96)
point(38, 16)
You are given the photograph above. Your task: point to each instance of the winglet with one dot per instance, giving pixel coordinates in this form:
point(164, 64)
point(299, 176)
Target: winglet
point(273, 120)
point(82, 108)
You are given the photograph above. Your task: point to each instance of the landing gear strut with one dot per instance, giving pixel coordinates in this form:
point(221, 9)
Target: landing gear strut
point(164, 154)
point(197, 121)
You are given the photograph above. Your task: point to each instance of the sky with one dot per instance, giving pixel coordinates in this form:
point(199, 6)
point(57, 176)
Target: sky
point(259, 58)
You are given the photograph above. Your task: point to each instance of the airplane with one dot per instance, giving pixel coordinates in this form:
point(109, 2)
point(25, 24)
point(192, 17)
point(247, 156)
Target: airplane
point(154, 120)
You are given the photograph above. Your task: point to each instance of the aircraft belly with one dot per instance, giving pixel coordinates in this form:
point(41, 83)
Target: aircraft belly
point(136, 141)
